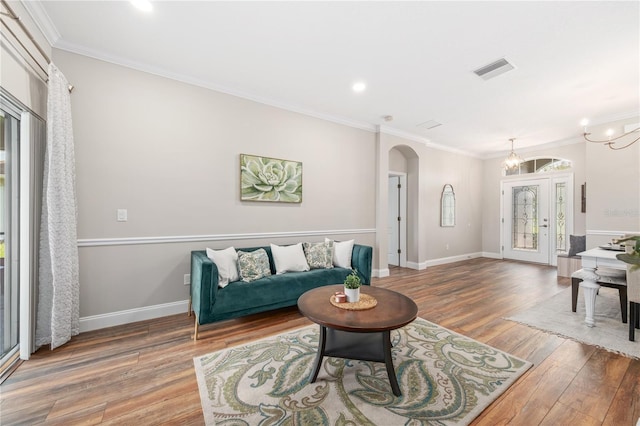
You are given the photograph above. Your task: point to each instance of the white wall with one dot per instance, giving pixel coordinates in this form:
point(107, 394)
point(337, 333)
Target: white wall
point(613, 177)
point(168, 152)
point(397, 161)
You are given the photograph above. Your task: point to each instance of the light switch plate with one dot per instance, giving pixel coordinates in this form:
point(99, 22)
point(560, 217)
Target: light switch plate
point(122, 215)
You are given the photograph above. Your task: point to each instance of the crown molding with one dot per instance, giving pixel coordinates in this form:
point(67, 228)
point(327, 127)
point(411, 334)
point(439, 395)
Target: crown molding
point(605, 119)
point(50, 32)
point(387, 130)
point(555, 144)
point(138, 66)
point(420, 139)
point(573, 140)
point(42, 20)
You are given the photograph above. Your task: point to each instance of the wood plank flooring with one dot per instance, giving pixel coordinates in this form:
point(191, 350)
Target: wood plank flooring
point(142, 373)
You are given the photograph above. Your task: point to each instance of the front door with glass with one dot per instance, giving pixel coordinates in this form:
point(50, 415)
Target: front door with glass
point(526, 220)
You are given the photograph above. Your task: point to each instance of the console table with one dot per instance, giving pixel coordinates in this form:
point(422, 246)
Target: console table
point(591, 260)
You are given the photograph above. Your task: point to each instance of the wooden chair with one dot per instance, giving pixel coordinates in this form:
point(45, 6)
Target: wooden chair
point(633, 290)
point(617, 282)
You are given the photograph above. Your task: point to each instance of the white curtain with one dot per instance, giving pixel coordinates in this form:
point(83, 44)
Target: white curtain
point(59, 287)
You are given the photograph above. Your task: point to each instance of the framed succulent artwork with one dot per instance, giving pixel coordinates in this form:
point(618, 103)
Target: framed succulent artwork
point(270, 179)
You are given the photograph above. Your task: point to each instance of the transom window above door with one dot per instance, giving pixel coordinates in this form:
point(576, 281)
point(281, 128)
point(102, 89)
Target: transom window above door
point(540, 165)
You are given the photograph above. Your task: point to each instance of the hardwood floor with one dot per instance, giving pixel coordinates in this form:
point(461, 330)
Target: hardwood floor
point(143, 373)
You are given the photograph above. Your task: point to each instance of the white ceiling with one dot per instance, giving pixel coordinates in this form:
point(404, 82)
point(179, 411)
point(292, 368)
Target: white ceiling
point(572, 59)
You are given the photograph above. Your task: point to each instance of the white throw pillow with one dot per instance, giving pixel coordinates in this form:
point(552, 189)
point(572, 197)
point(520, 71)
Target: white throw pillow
point(289, 258)
point(227, 262)
point(342, 251)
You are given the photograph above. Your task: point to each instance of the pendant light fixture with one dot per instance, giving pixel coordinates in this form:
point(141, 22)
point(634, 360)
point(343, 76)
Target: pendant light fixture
point(513, 160)
point(622, 140)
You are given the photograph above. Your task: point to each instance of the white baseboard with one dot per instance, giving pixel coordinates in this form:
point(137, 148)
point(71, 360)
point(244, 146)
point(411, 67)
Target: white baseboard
point(95, 322)
point(380, 273)
point(491, 255)
point(417, 266)
point(451, 259)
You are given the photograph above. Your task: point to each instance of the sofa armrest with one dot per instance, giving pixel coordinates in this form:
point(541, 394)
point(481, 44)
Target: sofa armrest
point(204, 284)
point(361, 259)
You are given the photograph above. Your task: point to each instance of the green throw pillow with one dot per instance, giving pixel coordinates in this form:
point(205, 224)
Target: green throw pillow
point(253, 265)
point(319, 255)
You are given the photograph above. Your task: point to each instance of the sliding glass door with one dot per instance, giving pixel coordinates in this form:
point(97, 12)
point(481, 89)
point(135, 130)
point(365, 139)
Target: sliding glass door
point(22, 147)
point(9, 284)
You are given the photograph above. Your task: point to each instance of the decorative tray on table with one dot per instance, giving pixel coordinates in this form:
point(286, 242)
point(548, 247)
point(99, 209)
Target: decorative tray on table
point(614, 247)
point(366, 302)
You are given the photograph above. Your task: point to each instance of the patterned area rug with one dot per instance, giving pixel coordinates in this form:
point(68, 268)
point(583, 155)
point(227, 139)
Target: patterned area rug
point(445, 378)
point(610, 333)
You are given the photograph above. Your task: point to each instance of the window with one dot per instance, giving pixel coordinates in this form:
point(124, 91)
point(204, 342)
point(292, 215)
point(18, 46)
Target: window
point(561, 216)
point(541, 165)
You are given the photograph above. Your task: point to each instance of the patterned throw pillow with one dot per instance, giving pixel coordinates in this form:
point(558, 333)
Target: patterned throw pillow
point(319, 255)
point(253, 265)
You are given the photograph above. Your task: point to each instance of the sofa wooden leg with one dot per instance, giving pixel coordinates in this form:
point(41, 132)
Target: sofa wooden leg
point(189, 308)
point(195, 334)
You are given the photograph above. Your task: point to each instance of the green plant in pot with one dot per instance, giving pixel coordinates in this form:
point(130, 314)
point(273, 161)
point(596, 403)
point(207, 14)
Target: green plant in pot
point(631, 256)
point(352, 286)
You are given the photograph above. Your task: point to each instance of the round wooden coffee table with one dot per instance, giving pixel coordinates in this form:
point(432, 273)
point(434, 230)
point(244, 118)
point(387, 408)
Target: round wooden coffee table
point(357, 334)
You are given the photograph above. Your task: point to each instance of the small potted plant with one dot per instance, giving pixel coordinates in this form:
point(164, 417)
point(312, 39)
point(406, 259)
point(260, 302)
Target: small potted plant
point(631, 257)
point(352, 287)
point(632, 253)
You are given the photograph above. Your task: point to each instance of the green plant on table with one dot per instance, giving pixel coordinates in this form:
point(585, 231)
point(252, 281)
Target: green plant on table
point(353, 280)
point(631, 257)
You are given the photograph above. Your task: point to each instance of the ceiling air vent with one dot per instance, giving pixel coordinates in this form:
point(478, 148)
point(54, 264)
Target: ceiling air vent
point(494, 69)
point(429, 124)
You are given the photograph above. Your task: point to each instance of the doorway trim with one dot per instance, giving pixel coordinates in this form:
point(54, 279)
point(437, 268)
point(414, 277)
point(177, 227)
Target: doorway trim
point(554, 179)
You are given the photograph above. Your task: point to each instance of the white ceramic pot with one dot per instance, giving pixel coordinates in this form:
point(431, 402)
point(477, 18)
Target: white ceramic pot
point(353, 294)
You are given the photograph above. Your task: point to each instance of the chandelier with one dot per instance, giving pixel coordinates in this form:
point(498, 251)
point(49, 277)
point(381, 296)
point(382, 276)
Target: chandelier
point(513, 160)
point(611, 141)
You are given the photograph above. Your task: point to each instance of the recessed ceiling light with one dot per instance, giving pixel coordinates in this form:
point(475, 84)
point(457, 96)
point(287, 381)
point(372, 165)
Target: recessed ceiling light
point(143, 5)
point(359, 86)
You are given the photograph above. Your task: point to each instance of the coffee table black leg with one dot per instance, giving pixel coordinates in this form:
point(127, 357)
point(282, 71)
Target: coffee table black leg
point(388, 361)
point(319, 355)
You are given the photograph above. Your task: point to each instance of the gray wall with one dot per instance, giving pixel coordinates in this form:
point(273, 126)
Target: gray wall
point(168, 152)
point(428, 170)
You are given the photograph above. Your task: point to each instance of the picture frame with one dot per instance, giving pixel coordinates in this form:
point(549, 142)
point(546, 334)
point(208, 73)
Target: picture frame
point(267, 179)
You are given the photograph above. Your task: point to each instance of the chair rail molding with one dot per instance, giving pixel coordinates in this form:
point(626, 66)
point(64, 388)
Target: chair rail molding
point(94, 242)
point(610, 233)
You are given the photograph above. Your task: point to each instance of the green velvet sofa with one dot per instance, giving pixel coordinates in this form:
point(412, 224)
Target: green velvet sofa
point(211, 303)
